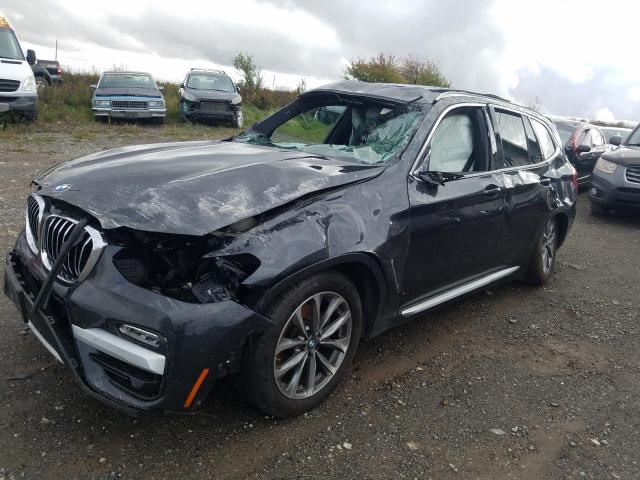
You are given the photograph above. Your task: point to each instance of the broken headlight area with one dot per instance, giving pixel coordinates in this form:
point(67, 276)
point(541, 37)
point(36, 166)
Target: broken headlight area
point(184, 268)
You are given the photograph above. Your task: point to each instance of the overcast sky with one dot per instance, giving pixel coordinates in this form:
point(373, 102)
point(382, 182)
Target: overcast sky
point(578, 57)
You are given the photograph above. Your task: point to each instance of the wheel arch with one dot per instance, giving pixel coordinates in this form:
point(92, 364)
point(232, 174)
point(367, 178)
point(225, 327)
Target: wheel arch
point(362, 269)
point(562, 220)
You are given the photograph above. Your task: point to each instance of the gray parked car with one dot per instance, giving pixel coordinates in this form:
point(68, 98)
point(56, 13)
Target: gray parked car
point(615, 181)
point(128, 95)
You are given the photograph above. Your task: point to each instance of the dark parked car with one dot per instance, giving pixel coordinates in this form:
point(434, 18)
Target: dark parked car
point(54, 70)
point(616, 177)
point(210, 95)
point(615, 132)
point(128, 95)
point(583, 144)
point(152, 271)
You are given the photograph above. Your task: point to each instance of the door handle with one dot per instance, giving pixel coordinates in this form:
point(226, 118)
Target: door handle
point(545, 181)
point(492, 190)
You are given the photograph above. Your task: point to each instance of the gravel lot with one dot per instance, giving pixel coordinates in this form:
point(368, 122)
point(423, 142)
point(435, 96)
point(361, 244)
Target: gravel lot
point(516, 382)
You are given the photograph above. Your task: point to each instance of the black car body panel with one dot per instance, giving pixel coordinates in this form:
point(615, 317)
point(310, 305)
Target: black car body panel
point(622, 187)
point(404, 239)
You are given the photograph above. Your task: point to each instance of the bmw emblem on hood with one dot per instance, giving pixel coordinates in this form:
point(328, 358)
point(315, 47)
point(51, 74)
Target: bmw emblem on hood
point(62, 188)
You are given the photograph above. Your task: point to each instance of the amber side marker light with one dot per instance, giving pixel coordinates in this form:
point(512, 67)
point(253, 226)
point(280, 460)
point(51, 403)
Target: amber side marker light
point(196, 387)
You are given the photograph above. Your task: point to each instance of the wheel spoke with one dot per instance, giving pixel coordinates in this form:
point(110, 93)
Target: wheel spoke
point(326, 364)
point(337, 344)
point(311, 374)
point(291, 362)
point(315, 315)
point(333, 327)
point(299, 321)
point(333, 305)
point(292, 386)
point(289, 343)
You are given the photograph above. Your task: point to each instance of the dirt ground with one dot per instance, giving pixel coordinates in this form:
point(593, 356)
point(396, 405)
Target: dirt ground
point(516, 382)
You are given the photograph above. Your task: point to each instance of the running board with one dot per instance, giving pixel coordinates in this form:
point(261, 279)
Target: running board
point(457, 291)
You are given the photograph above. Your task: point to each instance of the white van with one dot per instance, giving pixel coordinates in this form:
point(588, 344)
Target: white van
point(17, 84)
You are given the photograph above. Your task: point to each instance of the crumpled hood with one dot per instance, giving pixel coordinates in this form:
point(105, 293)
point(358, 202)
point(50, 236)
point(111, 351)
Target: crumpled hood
point(625, 156)
point(192, 188)
point(134, 92)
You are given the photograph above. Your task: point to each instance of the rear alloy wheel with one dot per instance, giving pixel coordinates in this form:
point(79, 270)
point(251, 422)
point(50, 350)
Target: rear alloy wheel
point(544, 256)
point(295, 365)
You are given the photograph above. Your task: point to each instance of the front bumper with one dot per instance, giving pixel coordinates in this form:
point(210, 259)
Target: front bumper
point(223, 111)
point(130, 113)
point(614, 190)
point(75, 327)
point(19, 105)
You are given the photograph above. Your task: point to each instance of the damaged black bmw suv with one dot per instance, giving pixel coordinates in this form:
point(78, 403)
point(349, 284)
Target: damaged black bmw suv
point(152, 271)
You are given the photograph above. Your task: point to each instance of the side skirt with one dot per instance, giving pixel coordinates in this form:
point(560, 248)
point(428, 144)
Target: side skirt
point(457, 291)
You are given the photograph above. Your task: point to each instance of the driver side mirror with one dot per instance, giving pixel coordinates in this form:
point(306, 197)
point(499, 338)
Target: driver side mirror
point(615, 140)
point(31, 57)
point(93, 86)
point(161, 88)
point(583, 148)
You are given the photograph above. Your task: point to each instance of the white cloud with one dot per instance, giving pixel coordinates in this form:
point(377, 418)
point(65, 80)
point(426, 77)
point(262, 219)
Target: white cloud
point(605, 115)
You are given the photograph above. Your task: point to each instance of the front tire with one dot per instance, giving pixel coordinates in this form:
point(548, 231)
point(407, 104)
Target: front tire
point(238, 119)
point(293, 367)
point(544, 255)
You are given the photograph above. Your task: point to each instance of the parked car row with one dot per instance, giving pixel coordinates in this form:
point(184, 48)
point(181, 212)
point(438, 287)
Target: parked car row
point(609, 166)
point(204, 95)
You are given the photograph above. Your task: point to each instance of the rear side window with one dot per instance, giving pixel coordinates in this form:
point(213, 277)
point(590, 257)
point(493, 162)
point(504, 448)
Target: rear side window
point(535, 154)
point(514, 139)
point(544, 138)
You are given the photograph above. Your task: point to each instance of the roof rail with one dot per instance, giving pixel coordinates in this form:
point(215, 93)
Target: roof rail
point(449, 93)
point(212, 70)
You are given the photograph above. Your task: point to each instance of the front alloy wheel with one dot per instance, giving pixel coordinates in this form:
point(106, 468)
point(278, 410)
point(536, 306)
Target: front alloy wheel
point(293, 366)
point(312, 345)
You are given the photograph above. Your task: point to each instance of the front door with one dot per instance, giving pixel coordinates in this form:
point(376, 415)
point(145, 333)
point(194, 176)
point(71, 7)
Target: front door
point(456, 225)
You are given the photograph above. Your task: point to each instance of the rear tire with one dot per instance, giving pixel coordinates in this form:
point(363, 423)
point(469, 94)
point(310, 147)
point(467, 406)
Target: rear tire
point(599, 209)
point(544, 255)
point(287, 370)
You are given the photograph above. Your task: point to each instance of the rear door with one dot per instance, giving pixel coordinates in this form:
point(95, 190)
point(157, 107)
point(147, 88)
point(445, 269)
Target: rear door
point(457, 226)
point(528, 180)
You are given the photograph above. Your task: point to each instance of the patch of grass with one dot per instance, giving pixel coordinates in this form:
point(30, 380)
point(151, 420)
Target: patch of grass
point(69, 104)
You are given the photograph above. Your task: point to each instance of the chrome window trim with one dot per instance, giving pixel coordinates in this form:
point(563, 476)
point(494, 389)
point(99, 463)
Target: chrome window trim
point(420, 157)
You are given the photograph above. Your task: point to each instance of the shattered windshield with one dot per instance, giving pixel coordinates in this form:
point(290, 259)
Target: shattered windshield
point(366, 133)
point(208, 81)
